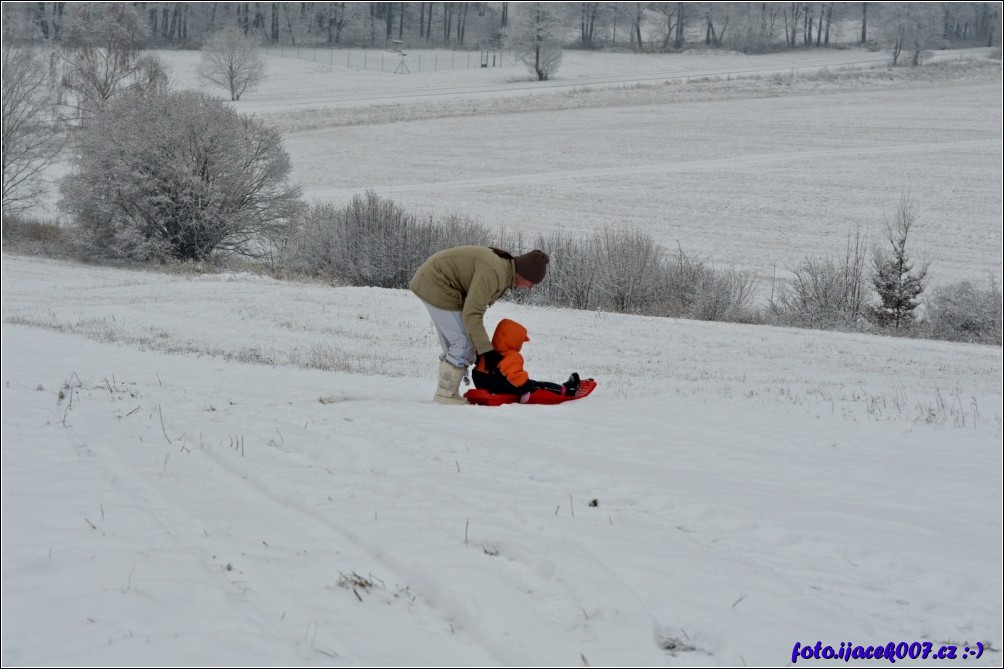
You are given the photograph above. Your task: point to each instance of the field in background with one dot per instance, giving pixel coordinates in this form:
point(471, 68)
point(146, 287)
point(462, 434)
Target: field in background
point(756, 162)
point(750, 168)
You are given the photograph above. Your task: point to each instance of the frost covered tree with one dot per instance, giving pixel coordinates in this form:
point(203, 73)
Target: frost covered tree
point(914, 30)
point(232, 60)
point(177, 176)
point(534, 35)
point(893, 276)
point(30, 140)
point(629, 264)
point(101, 57)
point(823, 293)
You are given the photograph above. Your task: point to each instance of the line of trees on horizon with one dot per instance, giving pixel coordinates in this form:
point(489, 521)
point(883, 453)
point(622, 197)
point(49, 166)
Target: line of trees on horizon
point(743, 26)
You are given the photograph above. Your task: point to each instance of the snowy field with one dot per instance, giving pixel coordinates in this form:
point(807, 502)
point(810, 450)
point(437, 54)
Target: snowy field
point(718, 153)
point(232, 470)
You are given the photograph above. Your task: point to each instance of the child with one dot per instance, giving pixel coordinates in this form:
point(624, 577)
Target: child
point(510, 378)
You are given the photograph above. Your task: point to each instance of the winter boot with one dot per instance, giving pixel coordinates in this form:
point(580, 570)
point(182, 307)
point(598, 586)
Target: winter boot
point(449, 383)
point(572, 384)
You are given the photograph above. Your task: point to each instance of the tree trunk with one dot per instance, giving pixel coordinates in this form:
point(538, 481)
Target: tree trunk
point(461, 22)
point(421, 21)
point(829, 20)
point(174, 23)
point(864, 22)
point(372, 23)
point(807, 26)
point(41, 19)
point(592, 23)
point(636, 34)
point(680, 7)
point(57, 21)
point(616, 11)
point(289, 23)
point(669, 28)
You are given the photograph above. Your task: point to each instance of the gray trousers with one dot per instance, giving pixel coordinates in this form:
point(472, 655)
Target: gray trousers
point(457, 347)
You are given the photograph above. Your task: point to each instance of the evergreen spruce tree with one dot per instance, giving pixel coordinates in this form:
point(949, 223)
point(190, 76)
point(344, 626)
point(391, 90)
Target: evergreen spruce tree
point(894, 277)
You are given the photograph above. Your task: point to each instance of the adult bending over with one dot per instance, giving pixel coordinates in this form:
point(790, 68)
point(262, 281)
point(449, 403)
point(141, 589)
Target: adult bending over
point(457, 286)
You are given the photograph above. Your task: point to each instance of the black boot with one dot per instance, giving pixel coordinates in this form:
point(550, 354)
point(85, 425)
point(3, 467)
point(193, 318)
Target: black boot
point(572, 384)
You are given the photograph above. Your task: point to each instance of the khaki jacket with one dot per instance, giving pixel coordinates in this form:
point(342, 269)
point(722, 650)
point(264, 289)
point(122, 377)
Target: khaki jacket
point(468, 279)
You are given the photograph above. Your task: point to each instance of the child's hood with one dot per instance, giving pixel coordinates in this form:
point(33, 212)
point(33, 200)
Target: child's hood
point(509, 336)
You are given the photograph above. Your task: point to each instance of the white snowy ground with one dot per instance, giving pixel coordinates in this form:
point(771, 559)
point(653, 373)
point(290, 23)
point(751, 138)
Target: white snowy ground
point(231, 470)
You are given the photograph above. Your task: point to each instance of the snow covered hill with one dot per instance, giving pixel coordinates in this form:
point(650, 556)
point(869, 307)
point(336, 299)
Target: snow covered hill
point(231, 470)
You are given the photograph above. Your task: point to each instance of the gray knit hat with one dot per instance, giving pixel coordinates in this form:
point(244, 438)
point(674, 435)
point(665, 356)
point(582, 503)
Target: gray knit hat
point(532, 266)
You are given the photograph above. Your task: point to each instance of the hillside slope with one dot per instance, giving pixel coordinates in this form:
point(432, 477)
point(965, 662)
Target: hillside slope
point(232, 470)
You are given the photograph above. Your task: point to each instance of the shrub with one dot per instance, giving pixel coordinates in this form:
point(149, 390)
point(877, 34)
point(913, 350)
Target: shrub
point(372, 241)
point(723, 295)
point(628, 272)
point(33, 236)
point(691, 288)
point(629, 265)
point(572, 279)
point(823, 293)
point(964, 312)
point(177, 176)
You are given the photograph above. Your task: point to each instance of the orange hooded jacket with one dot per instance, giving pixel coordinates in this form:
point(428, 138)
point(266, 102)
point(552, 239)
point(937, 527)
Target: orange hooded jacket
point(508, 340)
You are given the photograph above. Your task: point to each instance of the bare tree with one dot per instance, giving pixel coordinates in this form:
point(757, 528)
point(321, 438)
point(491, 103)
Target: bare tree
point(232, 60)
point(636, 20)
point(534, 34)
point(914, 29)
point(588, 15)
point(864, 22)
point(102, 57)
point(671, 11)
point(30, 142)
point(716, 24)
